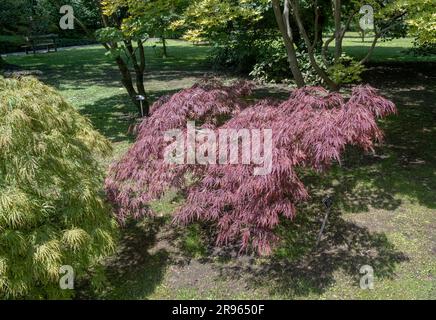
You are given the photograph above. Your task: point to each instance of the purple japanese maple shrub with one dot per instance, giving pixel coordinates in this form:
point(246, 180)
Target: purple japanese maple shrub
point(309, 130)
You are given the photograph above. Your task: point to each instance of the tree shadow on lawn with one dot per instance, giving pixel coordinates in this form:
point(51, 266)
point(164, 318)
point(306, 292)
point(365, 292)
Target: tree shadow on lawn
point(380, 53)
point(83, 67)
point(408, 153)
point(404, 163)
point(113, 115)
point(133, 272)
point(298, 267)
point(79, 67)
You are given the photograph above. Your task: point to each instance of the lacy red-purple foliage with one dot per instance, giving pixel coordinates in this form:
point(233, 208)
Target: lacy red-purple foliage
point(310, 130)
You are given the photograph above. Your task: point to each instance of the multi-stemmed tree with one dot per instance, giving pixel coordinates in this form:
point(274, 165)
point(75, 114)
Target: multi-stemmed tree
point(343, 14)
point(123, 37)
point(127, 25)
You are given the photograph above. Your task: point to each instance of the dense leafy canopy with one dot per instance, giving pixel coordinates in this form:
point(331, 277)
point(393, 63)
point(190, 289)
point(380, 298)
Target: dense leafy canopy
point(52, 212)
point(309, 130)
point(142, 18)
point(421, 19)
point(213, 19)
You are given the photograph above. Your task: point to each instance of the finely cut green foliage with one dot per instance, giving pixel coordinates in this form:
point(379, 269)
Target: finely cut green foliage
point(52, 212)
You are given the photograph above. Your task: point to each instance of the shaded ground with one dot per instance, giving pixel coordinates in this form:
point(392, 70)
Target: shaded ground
point(384, 212)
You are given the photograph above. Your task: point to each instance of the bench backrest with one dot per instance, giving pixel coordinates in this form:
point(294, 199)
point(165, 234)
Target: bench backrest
point(42, 38)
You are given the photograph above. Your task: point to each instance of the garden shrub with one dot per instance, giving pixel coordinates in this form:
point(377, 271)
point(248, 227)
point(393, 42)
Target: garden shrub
point(309, 131)
point(347, 71)
point(310, 77)
point(52, 212)
point(272, 66)
point(236, 57)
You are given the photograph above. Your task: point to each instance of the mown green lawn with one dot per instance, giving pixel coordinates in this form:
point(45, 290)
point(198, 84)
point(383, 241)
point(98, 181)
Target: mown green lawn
point(89, 80)
point(395, 50)
point(384, 213)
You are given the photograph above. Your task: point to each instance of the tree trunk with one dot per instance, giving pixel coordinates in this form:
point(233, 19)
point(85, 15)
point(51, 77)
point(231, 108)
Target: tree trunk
point(2, 62)
point(321, 22)
point(141, 91)
point(338, 30)
point(370, 50)
point(324, 76)
point(289, 44)
point(164, 46)
point(126, 80)
point(140, 77)
point(310, 48)
point(126, 77)
point(139, 68)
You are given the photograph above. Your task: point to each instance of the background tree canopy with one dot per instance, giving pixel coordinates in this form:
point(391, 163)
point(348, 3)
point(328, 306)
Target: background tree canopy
point(247, 39)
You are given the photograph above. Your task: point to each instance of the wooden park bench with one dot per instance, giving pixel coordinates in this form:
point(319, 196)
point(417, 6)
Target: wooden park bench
point(47, 41)
point(201, 43)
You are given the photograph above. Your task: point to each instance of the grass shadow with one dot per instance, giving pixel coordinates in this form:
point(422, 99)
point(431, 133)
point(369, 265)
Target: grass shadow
point(298, 268)
point(134, 272)
point(111, 116)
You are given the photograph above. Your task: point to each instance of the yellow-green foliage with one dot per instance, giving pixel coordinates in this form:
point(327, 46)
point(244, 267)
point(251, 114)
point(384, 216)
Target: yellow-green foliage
point(52, 212)
point(420, 18)
point(205, 19)
point(346, 71)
